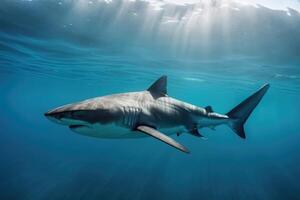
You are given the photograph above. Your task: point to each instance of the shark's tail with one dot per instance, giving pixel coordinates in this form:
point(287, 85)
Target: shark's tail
point(241, 112)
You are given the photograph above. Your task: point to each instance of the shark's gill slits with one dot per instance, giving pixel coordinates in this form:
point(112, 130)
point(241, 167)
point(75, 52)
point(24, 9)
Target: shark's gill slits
point(130, 117)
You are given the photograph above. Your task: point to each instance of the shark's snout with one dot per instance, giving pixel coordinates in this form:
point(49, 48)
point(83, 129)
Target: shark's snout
point(51, 113)
point(61, 112)
point(57, 116)
point(67, 115)
point(63, 115)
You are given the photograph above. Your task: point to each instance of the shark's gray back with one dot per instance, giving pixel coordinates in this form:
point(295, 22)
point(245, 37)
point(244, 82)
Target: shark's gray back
point(142, 108)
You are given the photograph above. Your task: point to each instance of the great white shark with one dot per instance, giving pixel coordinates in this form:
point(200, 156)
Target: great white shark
point(149, 113)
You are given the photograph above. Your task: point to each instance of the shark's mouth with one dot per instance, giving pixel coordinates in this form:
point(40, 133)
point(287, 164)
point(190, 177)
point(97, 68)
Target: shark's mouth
point(76, 126)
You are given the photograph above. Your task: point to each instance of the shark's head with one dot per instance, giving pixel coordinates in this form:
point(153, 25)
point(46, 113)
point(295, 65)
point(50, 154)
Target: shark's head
point(84, 113)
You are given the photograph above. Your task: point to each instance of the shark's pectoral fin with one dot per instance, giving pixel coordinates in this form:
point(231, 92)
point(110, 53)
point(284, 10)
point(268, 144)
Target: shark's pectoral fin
point(158, 135)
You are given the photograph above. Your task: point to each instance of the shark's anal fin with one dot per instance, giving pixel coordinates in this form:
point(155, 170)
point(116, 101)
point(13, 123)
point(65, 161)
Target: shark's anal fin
point(158, 135)
point(196, 133)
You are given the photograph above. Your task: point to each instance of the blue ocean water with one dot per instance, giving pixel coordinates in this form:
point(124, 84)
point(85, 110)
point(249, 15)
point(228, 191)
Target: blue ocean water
point(57, 52)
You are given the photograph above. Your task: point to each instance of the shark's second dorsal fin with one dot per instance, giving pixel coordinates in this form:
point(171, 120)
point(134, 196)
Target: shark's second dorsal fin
point(159, 87)
point(209, 109)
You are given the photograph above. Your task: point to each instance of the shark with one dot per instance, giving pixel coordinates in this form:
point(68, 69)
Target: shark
point(150, 113)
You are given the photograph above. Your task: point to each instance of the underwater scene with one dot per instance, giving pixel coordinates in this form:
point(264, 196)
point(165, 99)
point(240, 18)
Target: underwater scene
point(214, 53)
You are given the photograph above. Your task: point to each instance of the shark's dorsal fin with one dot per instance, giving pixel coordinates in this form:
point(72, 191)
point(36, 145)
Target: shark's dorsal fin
point(208, 109)
point(159, 87)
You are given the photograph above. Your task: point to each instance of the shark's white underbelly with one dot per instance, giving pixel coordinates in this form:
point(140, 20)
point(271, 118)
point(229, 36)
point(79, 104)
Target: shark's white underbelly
point(116, 131)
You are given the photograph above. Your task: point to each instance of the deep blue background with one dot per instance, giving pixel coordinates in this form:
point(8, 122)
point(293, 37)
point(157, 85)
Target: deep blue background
point(52, 54)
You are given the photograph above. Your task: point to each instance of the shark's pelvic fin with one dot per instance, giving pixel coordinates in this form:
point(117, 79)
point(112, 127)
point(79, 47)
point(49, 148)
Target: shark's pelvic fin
point(241, 112)
point(159, 87)
point(158, 135)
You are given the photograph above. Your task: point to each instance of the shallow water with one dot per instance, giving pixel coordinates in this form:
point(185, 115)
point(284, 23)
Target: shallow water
point(52, 54)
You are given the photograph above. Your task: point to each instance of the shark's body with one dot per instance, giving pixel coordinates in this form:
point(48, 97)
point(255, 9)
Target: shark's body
point(138, 114)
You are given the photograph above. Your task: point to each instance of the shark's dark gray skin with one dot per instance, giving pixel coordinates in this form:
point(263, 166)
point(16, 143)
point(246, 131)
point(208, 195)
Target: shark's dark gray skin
point(149, 113)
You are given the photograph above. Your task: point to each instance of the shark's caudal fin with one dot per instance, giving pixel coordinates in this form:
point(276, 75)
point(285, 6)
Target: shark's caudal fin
point(241, 112)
